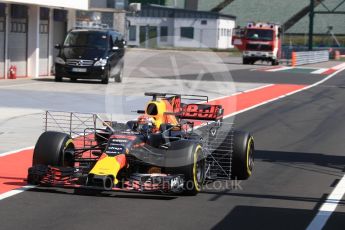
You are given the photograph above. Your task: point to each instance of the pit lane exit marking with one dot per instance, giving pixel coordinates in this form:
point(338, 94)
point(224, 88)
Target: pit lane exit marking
point(328, 207)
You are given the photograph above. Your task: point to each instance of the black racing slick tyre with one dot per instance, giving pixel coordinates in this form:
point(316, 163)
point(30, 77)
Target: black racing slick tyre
point(194, 170)
point(54, 149)
point(242, 156)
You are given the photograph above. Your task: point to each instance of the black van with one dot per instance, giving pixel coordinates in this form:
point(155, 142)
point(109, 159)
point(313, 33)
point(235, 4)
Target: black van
point(91, 54)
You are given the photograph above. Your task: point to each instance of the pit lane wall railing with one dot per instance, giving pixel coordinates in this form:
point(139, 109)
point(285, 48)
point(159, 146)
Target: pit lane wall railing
point(309, 57)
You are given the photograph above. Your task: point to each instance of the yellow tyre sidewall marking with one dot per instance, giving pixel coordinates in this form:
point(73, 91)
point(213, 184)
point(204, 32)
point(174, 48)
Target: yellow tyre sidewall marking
point(250, 141)
point(197, 186)
point(70, 141)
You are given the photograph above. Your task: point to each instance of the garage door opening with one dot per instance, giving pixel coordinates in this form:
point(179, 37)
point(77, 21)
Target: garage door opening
point(44, 42)
point(2, 39)
point(17, 39)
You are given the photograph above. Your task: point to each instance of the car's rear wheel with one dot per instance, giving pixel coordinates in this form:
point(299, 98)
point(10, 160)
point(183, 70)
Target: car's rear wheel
point(242, 156)
point(54, 149)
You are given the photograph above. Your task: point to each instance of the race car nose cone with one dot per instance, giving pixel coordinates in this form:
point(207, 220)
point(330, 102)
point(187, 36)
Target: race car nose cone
point(108, 183)
point(103, 182)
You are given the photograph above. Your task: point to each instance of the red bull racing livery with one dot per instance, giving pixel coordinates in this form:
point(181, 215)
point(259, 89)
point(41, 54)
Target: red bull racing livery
point(173, 147)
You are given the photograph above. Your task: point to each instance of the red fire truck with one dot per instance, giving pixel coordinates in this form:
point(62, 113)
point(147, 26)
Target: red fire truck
point(259, 42)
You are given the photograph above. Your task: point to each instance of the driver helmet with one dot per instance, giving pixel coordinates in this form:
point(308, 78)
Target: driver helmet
point(145, 123)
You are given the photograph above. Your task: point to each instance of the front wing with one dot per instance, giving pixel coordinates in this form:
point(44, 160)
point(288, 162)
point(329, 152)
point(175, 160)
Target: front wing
point(67, 177)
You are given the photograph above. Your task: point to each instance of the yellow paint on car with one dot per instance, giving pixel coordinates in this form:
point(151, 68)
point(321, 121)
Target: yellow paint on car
point(250, 141)
point(108, 166)
point(197, 186)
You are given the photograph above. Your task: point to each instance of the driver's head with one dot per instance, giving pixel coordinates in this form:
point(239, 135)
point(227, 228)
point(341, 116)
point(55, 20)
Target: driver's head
point(145, 123)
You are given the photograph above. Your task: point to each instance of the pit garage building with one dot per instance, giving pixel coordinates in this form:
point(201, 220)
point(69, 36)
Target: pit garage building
point(29, 29)
point(161, 26)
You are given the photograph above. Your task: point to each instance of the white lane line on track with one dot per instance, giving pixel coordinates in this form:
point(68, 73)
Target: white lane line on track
point(15, 191)
point(338, 67)
point(328, 207)
point(15, 151)
point(319, 71)
point(280, 69)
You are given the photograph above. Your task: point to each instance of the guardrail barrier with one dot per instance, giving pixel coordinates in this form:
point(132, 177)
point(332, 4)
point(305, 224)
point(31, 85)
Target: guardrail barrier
point(309, 57)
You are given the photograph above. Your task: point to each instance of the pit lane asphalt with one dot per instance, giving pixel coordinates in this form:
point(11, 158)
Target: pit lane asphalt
point(300, 156)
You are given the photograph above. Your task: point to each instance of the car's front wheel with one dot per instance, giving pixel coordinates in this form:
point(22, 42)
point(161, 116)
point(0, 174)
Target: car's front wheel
point(54, 149)
point(194, 171)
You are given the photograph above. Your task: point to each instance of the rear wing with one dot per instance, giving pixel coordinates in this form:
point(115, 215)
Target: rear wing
point(190, 107)
point(203, 112)
point(183, 97)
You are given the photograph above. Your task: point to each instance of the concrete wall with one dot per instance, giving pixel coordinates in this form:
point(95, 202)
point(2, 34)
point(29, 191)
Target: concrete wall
point(207, 33)
point(2, 53)
point(34, 41)
point(225, 38)
point(205, 36)
point(158, 22)
point(120, 22)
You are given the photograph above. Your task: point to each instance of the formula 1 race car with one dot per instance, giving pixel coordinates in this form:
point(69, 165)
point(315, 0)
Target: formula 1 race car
point(173, 147)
